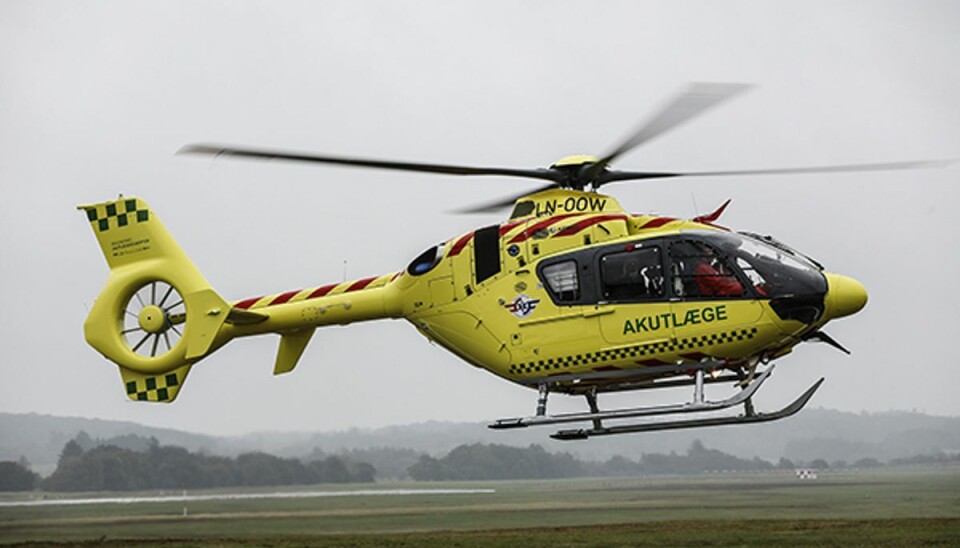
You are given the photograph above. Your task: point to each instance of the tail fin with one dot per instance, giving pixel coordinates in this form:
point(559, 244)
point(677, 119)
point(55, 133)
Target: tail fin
point(157, 315)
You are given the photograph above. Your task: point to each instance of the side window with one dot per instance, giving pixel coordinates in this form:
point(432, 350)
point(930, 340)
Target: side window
point(632, 275)
point(698, 271)
point(486, 252)
point(562, 280)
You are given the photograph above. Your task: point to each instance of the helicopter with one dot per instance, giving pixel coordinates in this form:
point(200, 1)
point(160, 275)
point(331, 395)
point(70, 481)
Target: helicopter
point(570, 295)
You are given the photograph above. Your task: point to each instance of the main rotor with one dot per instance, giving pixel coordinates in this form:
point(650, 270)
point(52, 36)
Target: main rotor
point(581, 172)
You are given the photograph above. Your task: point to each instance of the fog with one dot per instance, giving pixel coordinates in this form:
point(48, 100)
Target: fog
point(96, 97)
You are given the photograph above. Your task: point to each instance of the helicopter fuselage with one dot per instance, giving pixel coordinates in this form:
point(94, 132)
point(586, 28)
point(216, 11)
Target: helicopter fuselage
point(574, 292)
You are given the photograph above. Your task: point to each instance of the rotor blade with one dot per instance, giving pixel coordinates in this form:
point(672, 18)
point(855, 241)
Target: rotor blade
point(165, 296)
point(695, 100)
point(613, 176)
point(503, 203)
point(264, 154)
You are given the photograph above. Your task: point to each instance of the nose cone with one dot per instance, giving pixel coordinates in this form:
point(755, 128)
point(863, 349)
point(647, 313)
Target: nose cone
point(845, 296)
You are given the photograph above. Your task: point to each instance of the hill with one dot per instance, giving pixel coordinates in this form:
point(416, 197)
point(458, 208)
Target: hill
point(815, 433)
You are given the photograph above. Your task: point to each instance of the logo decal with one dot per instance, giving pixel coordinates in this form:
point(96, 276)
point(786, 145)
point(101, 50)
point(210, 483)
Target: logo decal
point(522, 306)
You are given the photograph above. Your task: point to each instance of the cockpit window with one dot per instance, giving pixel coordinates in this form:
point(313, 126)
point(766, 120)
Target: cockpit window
point(426, 261)
point(699, 271)
point(632, 275)
point(562, 280)
point(773, 272)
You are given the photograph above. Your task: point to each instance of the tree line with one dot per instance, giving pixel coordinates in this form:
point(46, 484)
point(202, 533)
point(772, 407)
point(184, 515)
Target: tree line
point(491, 462)
point(112, 468)
point(495, 462)
point(143, 464)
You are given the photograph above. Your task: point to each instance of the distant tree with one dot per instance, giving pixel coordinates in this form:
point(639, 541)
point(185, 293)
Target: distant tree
point(332, 470)
point(389, 462)
point(867, 462)
point(264, 469)
point(316, 454)
point(819, 464)
point(618, 465)
point(786, 464)
point(696, 448)
point(428, 469)
point(361, 472)
point(700, 459)
point(84, 440)
point(838, 464)
point(14, 476)
point(104, 468)
point(175, 468)
point(480, 461)
point(71, 450)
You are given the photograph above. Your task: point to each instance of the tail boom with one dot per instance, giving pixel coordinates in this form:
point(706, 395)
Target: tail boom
point(157, 315)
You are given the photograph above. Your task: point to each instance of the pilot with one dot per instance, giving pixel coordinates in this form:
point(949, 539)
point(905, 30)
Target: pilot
point(715, 281)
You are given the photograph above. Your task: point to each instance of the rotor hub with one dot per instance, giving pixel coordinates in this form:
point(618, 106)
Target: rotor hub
point(153, 319)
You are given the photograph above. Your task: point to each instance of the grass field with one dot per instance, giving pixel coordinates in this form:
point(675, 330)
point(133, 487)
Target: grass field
point(885, 507)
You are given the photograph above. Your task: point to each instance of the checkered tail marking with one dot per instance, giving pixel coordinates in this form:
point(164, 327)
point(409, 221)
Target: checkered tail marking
point(117, 214)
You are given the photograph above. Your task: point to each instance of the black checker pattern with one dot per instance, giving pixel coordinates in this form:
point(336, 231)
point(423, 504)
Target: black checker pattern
point(605, 357)
point(124, 212)
point(159, 387)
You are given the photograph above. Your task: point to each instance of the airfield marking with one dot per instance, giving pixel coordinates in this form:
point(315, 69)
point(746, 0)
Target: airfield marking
point(247, 496)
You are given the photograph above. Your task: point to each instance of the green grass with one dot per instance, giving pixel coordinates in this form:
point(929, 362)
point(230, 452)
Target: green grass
point(891, 507)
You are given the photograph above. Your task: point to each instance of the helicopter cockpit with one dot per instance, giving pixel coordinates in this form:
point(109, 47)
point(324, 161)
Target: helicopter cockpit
point(694, 265)
point(771, 270)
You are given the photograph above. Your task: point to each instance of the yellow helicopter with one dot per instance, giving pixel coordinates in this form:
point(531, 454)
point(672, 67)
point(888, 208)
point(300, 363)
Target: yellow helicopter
point(571, 294)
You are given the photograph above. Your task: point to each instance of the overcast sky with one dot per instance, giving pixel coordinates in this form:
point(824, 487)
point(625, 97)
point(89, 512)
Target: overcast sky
point(95, 98)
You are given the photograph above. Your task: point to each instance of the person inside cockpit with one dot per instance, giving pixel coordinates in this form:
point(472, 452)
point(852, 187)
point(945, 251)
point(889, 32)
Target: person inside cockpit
point(700, 272)
point(712, 276)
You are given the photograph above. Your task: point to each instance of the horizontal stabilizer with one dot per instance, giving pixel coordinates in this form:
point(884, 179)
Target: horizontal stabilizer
point(292, 345)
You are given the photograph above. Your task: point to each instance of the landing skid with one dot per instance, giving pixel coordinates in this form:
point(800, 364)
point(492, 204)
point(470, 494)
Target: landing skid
point(746, 418)
point(698, 405)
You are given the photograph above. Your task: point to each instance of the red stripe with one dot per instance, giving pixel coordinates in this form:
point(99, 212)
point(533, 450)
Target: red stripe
point(509, 226)
point(360, 284)
point(247, 303)
point(283, 297)
point(606, 368)
point(536, 227)
point(652, 361)
point(321, 291)
point(658, 222)
point(586, 223)
point(461, 243)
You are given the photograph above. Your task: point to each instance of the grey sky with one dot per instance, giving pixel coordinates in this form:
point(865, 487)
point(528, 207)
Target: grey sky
point(95, 97)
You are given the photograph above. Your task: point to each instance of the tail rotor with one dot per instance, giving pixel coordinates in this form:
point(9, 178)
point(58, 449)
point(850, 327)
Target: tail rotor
point(153, 319)
point(140, 320)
